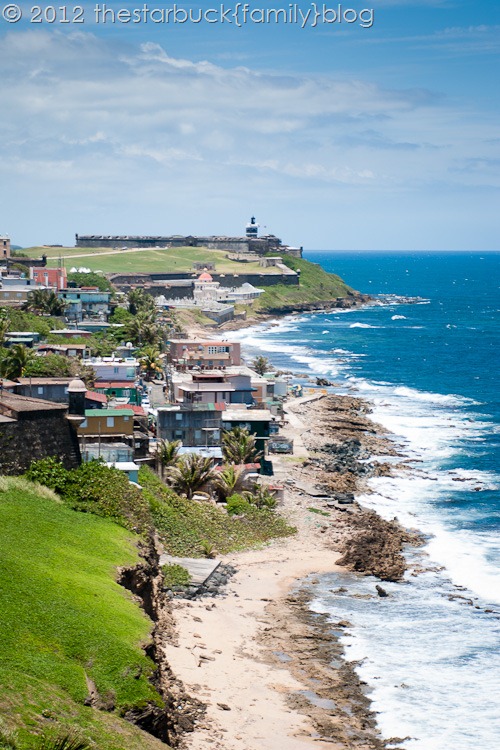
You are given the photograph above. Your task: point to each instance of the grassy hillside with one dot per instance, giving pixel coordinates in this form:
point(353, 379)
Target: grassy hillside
point(64, 619)
point(316, 285)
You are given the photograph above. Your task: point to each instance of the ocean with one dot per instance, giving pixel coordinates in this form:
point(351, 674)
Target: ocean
point(430, 652)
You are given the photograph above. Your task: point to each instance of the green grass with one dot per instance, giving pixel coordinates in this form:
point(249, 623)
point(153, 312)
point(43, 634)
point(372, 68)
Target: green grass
point(316, 285)
point(151, 260)
point(185, 527)
point(63, 616)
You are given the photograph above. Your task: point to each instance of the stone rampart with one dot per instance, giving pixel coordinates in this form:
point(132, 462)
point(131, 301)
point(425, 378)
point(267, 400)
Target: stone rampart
point(25, 440)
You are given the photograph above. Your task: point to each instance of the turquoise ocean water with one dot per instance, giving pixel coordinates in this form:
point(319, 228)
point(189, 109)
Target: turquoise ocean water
point(431, 651)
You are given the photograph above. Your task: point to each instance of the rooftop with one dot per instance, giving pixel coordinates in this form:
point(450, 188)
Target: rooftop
point(11, 405)
point(247, 415)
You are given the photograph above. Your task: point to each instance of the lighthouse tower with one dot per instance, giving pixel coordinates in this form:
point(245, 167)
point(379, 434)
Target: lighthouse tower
point(252, 229)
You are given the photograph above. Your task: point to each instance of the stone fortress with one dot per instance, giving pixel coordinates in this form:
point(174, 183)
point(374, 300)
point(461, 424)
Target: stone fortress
point(249, 243)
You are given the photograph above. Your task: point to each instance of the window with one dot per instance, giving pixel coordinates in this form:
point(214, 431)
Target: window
point(40, 390)
point(126, 419)
point(197, 434)
point(178, 416)
point(84, 423)
point(178, 434)
point(116, 370)
point(110, 421)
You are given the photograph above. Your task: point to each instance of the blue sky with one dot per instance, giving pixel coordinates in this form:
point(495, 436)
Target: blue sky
point(335, 137)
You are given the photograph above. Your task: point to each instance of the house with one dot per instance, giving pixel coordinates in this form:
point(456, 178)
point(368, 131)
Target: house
point(27, 338)
point(112, 370)
point(189, 353)
point(107, 425)
point(85, 302)
point(71, 333)
point(256, 421)
point(54, 278)
point(193, 424)
point(15, 293)
point(55, 390)
point(31, 429)
point(213, 386)
point(122, 390)
point(50, 389)
point(66, 350)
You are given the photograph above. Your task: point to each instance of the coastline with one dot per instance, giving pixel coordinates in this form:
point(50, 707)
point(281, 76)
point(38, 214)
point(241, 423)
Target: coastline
point(271, 672)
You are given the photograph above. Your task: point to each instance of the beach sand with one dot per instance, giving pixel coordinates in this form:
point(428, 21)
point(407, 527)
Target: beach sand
point(271, 673)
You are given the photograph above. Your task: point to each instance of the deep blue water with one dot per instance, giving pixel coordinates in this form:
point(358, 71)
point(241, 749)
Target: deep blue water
point(430, 371)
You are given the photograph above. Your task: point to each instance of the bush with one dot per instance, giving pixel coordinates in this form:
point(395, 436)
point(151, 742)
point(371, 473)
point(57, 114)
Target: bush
point(95, 488)
point(237, 505)
point(175, 575)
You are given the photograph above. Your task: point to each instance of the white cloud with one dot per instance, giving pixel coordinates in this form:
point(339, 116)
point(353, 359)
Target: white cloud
point(100, 136)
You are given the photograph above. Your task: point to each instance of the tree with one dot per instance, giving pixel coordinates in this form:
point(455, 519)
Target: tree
point(167, 453)
point(261, 365)
point(45, 301)
point(239, 446)
point(140, 301)
point(142, 330)
point(228, 482)
point(191, 473)
point(13, 364)
point(4, 327)
point(151, 362)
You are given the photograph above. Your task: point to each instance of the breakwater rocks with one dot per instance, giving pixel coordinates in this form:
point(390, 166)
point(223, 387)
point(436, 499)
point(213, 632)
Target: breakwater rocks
point(342, 441)
point(375, 547)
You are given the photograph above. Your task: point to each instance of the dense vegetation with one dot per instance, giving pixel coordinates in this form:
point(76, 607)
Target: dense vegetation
point(188, 529)
point(64, 620)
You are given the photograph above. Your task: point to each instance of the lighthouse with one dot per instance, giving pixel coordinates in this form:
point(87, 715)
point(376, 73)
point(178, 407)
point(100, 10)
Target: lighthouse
point(252, 229)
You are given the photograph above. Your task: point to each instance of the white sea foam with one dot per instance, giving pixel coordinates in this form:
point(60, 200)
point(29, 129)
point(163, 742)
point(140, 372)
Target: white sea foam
point(362, 325)
point(429, 656)
point(398, 317)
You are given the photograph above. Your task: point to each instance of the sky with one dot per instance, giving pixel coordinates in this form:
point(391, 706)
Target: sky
point(377, 129)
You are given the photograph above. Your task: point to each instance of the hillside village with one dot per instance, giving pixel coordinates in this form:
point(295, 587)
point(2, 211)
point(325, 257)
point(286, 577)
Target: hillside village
point(123, 336)
point(125, 396)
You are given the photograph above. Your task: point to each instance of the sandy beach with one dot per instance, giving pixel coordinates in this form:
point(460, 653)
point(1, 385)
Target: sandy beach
point(272, 674)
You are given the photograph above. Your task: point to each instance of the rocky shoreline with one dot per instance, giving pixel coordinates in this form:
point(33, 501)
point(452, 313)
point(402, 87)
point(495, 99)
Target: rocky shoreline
point(280, 648)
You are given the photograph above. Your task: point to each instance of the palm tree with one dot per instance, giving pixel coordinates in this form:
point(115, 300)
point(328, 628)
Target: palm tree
point(167, 453)
point(142, 330)
point(140, 301)
point(229, 481)
point(191, 472)
point(14, 363)
point(151, 362)
point(239, 446)
point(45, 301)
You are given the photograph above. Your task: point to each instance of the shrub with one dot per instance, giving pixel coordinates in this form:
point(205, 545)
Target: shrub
point(237, 505)
point(95, 488)
point(175, 575)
